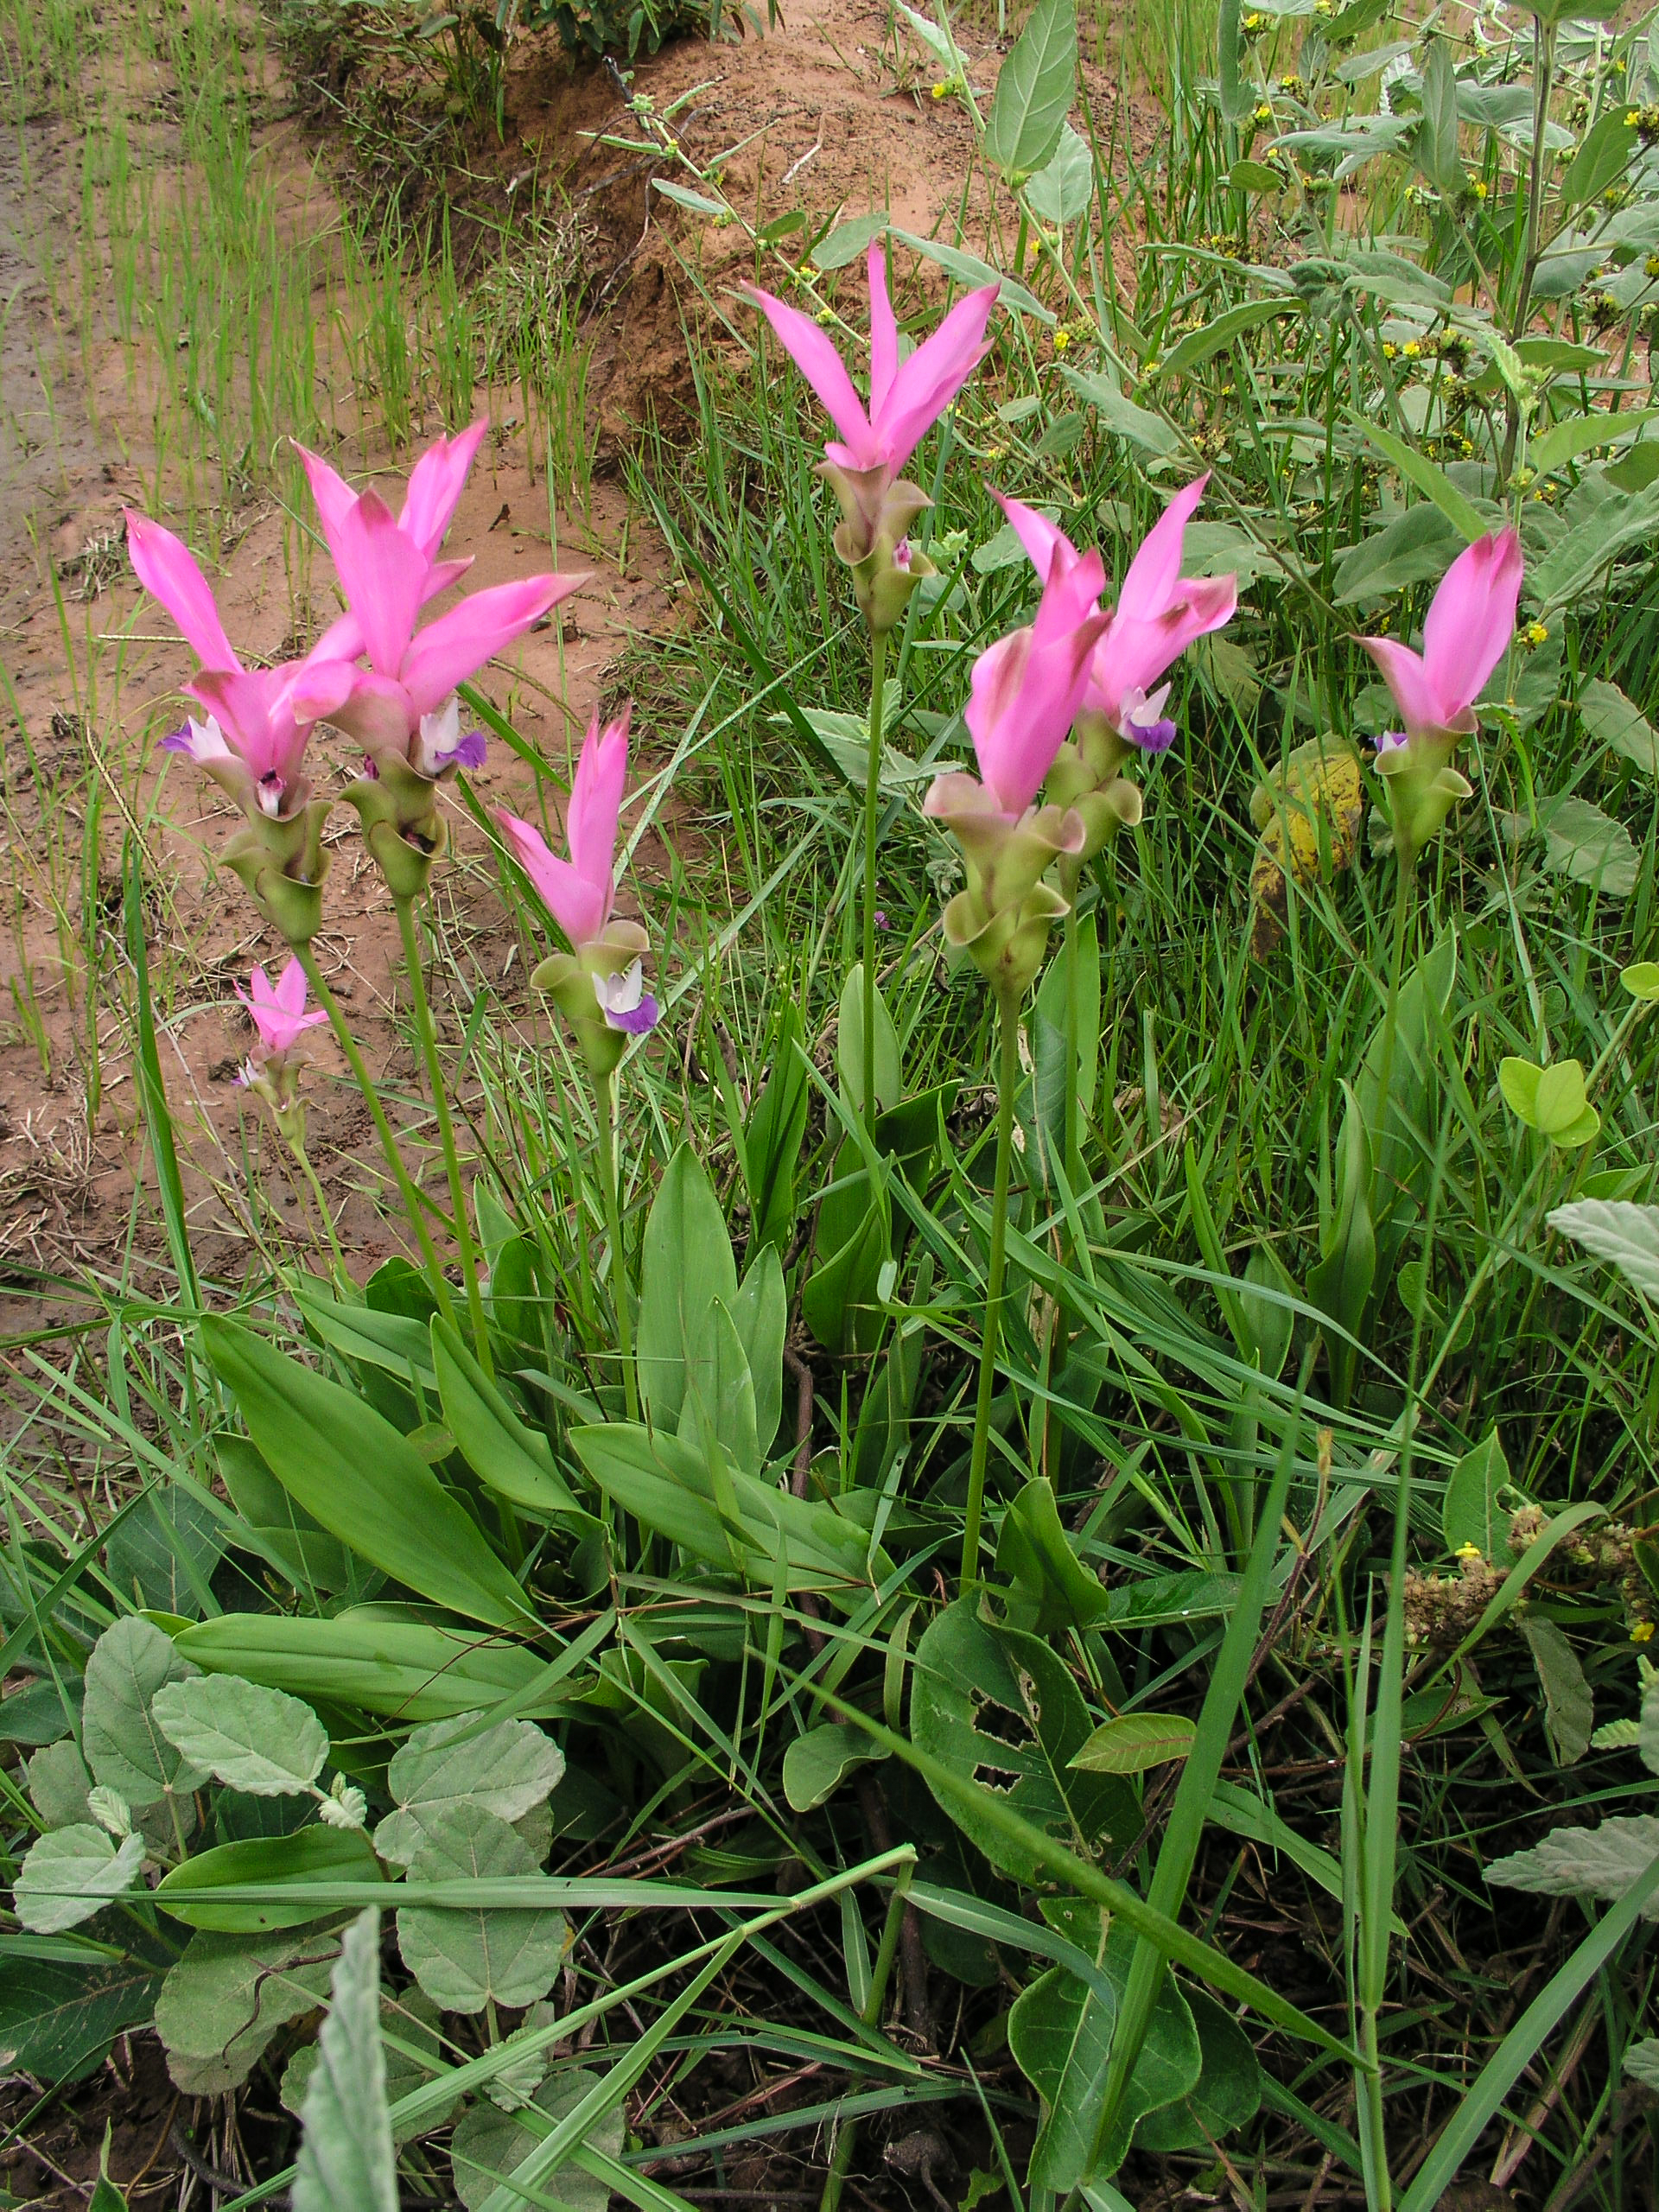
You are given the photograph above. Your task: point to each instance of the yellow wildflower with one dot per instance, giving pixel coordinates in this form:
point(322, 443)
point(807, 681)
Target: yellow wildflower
point(941, 91)
point(1643, 1632)
point(1412, 349)
point(1264, 113)
point(1481, 188)
point(1535, 633)
point(1061, 338)
point(1390, 349)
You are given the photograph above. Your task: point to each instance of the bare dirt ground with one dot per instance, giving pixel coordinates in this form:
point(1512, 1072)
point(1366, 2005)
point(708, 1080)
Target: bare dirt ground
point(816, 116)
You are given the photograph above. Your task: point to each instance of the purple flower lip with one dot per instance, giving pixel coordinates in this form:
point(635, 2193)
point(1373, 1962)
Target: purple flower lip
point(1391, 741)
point(468, 752)
point(176, 740)
point(636, 1019)
point(1151, 737)
point(271, 794)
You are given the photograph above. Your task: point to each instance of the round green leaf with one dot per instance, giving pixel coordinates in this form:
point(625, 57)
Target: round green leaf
point(73, 1873)
point(123, 1740)
point(463, 1958)
point(250, 1737)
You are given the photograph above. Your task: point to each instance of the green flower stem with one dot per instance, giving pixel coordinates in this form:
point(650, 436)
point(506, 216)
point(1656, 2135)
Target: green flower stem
point(1072, 1146)
point(881, 1973)
point(872, 812)
point(413, 1204)
point(321, 1203)
point(610, 1114)
point(1405, 882)
point(429, 1036)
point(1006, 1082)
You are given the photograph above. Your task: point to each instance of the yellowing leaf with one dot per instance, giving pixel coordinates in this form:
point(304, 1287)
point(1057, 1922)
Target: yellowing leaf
point(1309, 815)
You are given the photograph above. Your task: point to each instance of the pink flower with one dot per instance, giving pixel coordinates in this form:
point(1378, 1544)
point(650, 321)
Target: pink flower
point(277, 1010)
point(253, 739)
point(1027, 689)
point(1159, 614)
point(905, 400)
point(1471, 621)
point(400, 703)
point(579, 893)
point(435, 489)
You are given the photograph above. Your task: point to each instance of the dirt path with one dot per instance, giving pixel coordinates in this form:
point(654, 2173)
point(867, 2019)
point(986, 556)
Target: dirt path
point(818, 117)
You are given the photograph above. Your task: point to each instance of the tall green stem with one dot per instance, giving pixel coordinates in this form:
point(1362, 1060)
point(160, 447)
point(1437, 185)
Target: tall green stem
point(1405, 882)
point(872, 813)
point(414, 1204)
point(428, 1037)
point(1543, 77)
point(610, 1113)
point(324, 1217)
point(1008, 1079)
point(1071, 1150)
point(881, 1973)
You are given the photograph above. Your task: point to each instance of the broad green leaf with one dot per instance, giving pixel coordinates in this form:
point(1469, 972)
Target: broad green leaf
point(1574, 561)
point(1559, 1103)
point(1430, 479)
point(1563, 442)
point(58, 1784)
point(819, 1760)
point(772, 1143)
point(1612, 718)
point(1134, 1742)
point(413, 2049)
point(686, 1264)
point(1470, 1513)
point(1035, 92)
point(503, 1451)
point(291, 1862)
point(1198, 345)
point(71, 1873)
point(1615, 1229)
point(838, 1301)
point(849, 1047)
point(1060, 192)
point(252, 1737)
point(1053, 1589)
point(1599, 1862)
point(227, 1996)
point(1642, 2061)
point(1436, 147)
point(851, 240)
point(123, 1741)
point(57, 2020)
point(162, 1553)
point(669, 1485)
point(346, 2163)
point(350, 1469)
point(1582, 842)
point(1257, 177)
point(1641, 980)
point(465, 1958)
point(761, 1316)
point(1121, 416)
point(1519, 1080)
point(1236, 93)
point(1417, 547)
point(1228, 2093)
point(1601, 159)
point(1000, 1711)
point(720, 1395)
point(1240, 1812)
point(508, 1770)
point(489, 2144)
point(380, 1659)
point(968, 269)
point(682, 196)
point(1059, 2028)
point(1569, 1707)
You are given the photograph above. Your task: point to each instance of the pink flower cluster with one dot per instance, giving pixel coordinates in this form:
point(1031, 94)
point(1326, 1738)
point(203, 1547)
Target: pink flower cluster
point(403, 705)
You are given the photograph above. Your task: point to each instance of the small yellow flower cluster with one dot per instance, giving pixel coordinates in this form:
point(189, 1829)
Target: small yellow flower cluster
point(1062, 338)
point(1412, 349)
point(1481, 188)
point(1536, 634)
point(1643, 1632)
point(1650, 266)
point(941, 90)
point(1390, 349)
point(1263, 113)
point(824, 317)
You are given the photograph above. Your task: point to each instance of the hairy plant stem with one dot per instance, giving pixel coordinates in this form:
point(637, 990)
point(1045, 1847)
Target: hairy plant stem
point(429, 1036)
point(610, 1113)
point(414, 1204)
point(1006, 1082)
point(1543, 77)
point(870, 2013)
point(872, 813)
